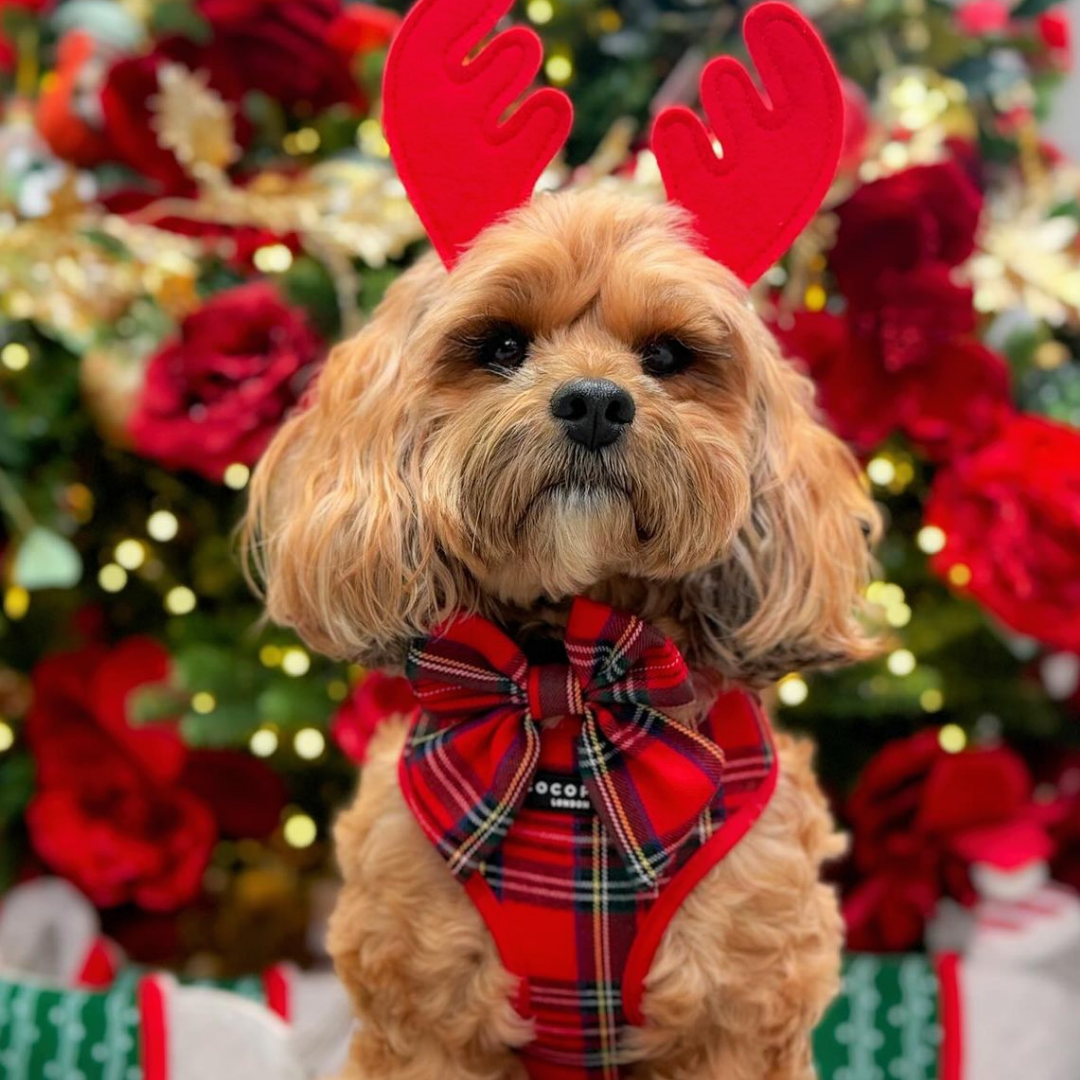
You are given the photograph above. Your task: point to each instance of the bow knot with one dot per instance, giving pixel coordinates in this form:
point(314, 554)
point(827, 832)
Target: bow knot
point(473, 753)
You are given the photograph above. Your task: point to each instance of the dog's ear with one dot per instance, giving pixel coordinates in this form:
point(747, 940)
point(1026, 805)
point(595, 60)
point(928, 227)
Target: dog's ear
point(789, 593)
point(334, 535)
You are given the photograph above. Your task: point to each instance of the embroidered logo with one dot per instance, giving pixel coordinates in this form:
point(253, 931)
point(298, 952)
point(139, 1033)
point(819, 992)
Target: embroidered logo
point(560, 792)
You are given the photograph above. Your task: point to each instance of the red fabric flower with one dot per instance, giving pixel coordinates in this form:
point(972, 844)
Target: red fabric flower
point(284, 48)
point(928, 213)
point(920, 818)
point(110, 813)
point(1055, 32)
point(373, 700)
point(125, 103)
point(1011, 515)
point(953, 402)
point(216, 394)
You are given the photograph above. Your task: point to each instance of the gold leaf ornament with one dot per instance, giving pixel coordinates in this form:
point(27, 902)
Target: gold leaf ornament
point(191, 119)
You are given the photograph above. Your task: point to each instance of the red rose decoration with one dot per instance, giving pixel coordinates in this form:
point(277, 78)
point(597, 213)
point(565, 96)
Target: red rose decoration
point(216, 394)
point(980, 17)
point(284, 49)
point(954, 402)
point(928, 213)
point(363, 28)
point(1011, 515)
point(125, 103)
point(110, 813)
point(372, 701)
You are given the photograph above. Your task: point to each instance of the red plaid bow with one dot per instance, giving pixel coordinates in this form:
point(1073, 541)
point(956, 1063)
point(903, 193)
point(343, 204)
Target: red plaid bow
point(472, 754)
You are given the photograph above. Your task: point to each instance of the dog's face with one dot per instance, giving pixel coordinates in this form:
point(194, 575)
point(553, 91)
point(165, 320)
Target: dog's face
point(585, 402)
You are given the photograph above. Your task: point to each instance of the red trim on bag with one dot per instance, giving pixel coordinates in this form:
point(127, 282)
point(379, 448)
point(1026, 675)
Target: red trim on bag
point(951, 1064)
point(276, 987)
point(154, 1031)
point(686, 880)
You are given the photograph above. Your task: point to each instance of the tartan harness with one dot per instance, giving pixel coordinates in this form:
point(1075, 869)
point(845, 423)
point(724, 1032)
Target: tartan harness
point(576, 813)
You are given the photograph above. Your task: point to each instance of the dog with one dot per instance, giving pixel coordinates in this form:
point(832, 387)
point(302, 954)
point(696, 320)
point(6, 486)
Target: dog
point(566, 480)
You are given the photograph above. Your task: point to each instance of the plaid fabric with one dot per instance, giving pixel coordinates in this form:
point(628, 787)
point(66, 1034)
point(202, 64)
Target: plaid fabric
point(559, 891)
point(474, 753)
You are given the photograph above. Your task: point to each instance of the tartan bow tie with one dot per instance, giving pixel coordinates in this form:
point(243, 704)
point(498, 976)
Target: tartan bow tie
point(472, 754)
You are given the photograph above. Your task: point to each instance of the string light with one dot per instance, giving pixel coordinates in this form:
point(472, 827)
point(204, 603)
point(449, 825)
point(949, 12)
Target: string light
point(237, 475)
point(815, 299)
point(881, 471)
point(960, 575)
point(203, 702)
point(7, 736)
point(263, 742)
point(180, 600)
point(309, 743)
point(609, 20)
point(932, 700)
point(370, 138)
point(300, 831)
point(273, 259)
point(15, 356)
point(295, 662)
point(337, 690)
point(540, 12)
point(304, 141)
point(901, 662)
point(16, 602)
point(112, 578)
point(792, 690)
point(931, 539)
point(559, 69)
point(270, 655)
point(952, 738)
point(898, 615)
point(162, 525)
point(130, 554)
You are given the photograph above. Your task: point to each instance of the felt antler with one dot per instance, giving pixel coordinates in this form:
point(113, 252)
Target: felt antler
point(779, 155)
point(461, 162)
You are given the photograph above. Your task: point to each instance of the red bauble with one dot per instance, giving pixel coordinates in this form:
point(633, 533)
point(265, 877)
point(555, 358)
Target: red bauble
point(217, 393)
point(1011, 515)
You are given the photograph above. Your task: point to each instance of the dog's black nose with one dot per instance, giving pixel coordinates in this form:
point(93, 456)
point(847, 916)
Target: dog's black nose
point(594, 412)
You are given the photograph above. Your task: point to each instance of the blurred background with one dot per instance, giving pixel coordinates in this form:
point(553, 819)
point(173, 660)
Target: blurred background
point(196, 200)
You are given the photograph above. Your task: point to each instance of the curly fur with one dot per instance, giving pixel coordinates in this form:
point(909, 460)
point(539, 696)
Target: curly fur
point(418, 484)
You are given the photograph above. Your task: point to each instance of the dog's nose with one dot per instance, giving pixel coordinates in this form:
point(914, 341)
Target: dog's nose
point(594, 412)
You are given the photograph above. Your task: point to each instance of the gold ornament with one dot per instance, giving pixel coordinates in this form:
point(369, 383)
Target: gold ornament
point(191, 120)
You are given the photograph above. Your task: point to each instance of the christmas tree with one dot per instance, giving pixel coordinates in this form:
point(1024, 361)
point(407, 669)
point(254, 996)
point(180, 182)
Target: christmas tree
point(197, 200)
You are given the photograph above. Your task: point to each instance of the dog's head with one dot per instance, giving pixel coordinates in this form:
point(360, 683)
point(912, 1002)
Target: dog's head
point(584, 404)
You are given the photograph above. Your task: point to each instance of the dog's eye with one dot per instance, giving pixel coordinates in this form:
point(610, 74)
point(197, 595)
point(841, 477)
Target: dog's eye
point(665, 356)
point(503, 346)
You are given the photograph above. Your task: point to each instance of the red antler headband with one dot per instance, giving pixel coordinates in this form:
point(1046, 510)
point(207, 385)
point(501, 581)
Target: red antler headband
point(465, 166)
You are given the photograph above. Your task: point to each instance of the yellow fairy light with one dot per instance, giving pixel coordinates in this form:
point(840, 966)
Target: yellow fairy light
point(203, 702)
point(932, 700)
point(609, 20)
point(309, 743)
point(273, 259)
point(952, 738)
point(16, 602)
point(264, 742)
point(815, 299)
point(540, 12)
point(960, 575)
point(931, 539)
point(1050, 355)
point(112, 578)
point(894, 155)
point(7, 736)
point(370, 138)
point(130, 554)
point(80, 502)
point(792, 690)
point(180, 600)
point(337, 690)
point(901, 662)
point(237, 475)
point(162, 525)
point(898, 615)
point(295, 662)
point(300, 831)
point(15, 356)
point(270, 655)
point(559, 69)
point(881, 471)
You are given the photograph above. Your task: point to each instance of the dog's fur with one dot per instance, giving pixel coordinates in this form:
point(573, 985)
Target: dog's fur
point(418, 484)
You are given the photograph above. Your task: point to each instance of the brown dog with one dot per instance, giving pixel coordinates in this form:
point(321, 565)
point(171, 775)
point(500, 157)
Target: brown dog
point(433, 474)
